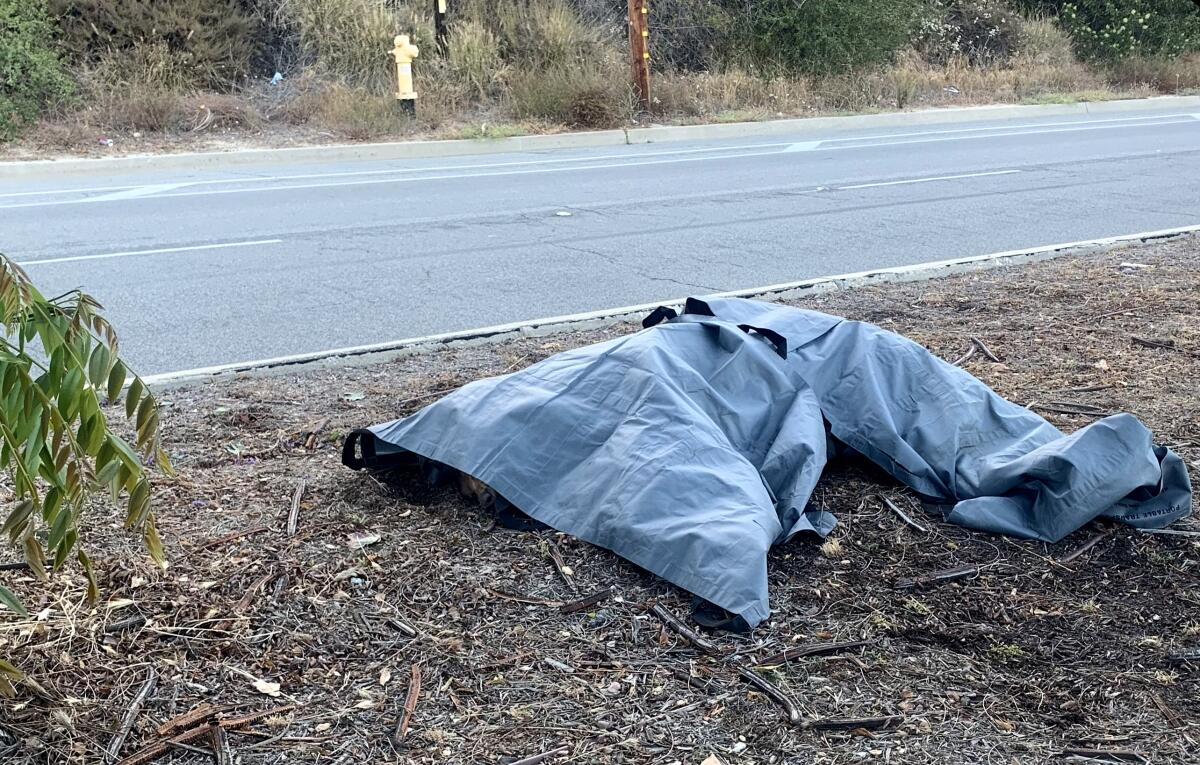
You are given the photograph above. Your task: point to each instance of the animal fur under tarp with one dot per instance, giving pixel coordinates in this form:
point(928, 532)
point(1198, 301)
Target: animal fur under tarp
point(693, 446)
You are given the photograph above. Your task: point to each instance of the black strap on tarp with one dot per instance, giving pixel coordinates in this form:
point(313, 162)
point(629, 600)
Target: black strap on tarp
point(658, 316)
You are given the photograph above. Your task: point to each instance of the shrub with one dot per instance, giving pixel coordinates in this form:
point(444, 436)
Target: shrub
point(475, 57)
point(1167, 74)
point(576, 96)
point(1042, 41)
point(59, 363)
point(542, 34)
point(984, 32)
point(213, 41)
point(349, 41)
point(828, 36)
point(1109, 30)
point(31, 76)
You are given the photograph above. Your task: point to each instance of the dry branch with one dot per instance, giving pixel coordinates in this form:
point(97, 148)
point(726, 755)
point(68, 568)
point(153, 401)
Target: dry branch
point(135, 706)
point(696, 639)
point(294, 512)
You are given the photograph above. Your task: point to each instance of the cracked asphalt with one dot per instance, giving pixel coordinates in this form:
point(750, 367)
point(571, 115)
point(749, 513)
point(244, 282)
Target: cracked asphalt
point(210, 267)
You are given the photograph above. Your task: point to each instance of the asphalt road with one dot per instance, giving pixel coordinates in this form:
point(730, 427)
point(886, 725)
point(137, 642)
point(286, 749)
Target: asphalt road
point(207, 268)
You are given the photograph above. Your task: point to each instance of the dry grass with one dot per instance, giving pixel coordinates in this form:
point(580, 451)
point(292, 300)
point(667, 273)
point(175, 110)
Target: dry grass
point(540, 67)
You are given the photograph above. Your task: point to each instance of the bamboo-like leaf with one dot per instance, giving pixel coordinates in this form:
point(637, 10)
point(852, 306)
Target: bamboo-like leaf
point(8, 670)
point(144, 413)
point(51, 503)
point(139, 505)
point(154, 543)
point(60, 524)
point(10, 600)
point(98, 366)
point(124, 452)
point(68, 395)
point(116, 381)
point(35, 556)
point(163, 461)
point(93, 589)
point(18, 517)
point(64, 548)
point(133, 397)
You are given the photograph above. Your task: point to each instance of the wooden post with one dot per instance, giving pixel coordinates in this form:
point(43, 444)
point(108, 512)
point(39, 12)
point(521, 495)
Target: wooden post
point(441, 31)
point(639, 49)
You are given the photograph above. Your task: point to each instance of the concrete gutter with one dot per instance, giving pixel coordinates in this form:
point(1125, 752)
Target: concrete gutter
point(368, 152)
point(382, 352)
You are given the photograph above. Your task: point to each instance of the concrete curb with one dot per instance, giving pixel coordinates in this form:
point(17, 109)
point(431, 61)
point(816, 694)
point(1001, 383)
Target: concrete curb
point(382, 352)
point(597, 139)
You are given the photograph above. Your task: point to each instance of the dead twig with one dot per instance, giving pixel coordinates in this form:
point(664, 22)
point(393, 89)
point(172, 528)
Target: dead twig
point(410, 706)
point(1171, 532)
point(232, 536)
point(135, 706)
point(586, 601)
point(153, 751)
point(985, 350)
point(1163, 345)
point(188, 719)
point(820, 649)
point(561, 566)
point(1107, 755)
point(192, 749)
point(241, 721)
point(1085, 547)
point(903, 516)
point(310, 439)
point(220, 746)
point(704, 687)
point(128, 623)
point(693, 637)
point(562, 751)
point(854, 723)
point(970, 352)
point(1187, 657)
point(937, 578)
point(294, 512)
point(772, 692)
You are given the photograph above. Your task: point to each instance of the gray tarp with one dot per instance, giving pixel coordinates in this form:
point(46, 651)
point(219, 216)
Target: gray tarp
point(693, 446)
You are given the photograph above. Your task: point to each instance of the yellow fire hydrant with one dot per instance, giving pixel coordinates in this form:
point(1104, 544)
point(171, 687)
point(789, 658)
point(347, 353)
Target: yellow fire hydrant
point(404, 52)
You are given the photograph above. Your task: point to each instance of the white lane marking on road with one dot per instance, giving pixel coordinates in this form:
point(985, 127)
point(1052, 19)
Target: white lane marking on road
point(1186, 119)
point(621, 162)
point(396, 170)
point(135, 192)
point(161, 251)
point(917, 270)
point(924, 180)
point(1150, 120)
point(992, 130)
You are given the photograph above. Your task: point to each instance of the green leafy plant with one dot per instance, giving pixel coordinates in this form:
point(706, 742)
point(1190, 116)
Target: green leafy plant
point(827, 36)
point(59, 366)
point(1111, 30)
point(31, 75)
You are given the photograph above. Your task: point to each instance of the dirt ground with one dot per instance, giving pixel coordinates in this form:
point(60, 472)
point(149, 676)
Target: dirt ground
point(1047, 651)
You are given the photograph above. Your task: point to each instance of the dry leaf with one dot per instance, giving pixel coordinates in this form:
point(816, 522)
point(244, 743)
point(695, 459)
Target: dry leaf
point(385, 676)
point(365, 704)
point(362, 539)
point(322, 727)
point(712, 759)
point(264, 687)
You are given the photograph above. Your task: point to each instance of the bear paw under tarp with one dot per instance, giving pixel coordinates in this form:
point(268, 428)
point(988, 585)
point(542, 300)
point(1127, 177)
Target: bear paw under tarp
point(693, 446)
